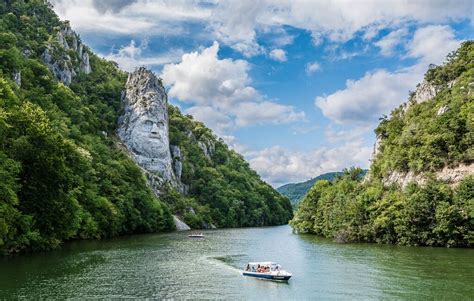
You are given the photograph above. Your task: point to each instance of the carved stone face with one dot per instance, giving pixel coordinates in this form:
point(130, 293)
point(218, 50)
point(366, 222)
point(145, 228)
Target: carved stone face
point(144, 126)
point(149, 136)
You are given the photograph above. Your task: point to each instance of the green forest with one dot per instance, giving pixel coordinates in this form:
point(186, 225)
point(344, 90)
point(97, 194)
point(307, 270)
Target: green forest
point(417, 139)
point(64, 174)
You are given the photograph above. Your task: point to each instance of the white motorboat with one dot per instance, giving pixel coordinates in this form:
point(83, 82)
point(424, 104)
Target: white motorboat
point(200, 235)
point(266, 270)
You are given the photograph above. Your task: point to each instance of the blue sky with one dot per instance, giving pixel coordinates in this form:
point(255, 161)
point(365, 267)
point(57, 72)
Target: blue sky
point(297, 87)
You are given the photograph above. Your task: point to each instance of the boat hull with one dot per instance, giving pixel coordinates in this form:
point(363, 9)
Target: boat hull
point(267, 276)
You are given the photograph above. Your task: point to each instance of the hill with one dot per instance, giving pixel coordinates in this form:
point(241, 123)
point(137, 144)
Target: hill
point(296, 191)
point(420, 186)
point(70, 165)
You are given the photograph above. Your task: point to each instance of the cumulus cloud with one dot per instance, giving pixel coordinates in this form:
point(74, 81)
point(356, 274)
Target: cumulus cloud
point(237, 23)
point(366, 99)
point(278, 55)
point(213, 118)
point(278, 165)
point(222, 87)
point(388, 43)
point(363, 100)
point(312, 67)
point(132, 17)
point(432, 43)
point(131, 56)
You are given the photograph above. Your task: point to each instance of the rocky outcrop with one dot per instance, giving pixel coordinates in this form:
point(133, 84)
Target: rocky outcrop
point(144, 127)
point(180, 225)
point(442, 110)
point(376, 149)
point(65, 56)
point(17, 78)
point(207, 148)
point(450, 175)
point(177, 161)
point(424, 91)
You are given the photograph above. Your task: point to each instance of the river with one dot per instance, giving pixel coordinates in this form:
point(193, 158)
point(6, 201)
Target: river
point(174, 266)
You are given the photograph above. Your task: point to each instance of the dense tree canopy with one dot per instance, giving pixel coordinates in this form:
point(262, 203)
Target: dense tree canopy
point(64, 174)
point(423, 138)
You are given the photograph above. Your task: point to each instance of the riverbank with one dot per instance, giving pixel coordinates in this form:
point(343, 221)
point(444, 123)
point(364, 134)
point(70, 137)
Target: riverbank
point(171, 265)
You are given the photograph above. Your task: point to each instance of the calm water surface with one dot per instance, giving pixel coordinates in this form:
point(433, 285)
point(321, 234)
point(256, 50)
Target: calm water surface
point(174, 266)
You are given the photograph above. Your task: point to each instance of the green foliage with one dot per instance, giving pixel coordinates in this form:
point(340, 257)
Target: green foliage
point(429, 215)
point(223, 189)
point(418, 140)
point(63, 175)
point(296, 191)
point(422, 140)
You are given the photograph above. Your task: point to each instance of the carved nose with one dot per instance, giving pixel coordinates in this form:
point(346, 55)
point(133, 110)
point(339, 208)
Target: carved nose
point(154, 129)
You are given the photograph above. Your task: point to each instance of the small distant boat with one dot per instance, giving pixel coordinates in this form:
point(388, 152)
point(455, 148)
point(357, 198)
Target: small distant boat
point(266, 270)
point(200, 235)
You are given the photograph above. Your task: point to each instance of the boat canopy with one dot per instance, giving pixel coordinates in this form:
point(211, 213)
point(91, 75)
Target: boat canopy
point(263, 263)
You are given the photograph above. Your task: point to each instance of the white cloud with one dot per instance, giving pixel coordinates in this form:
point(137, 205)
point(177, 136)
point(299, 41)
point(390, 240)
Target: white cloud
point(131, 56)
point(432, 43)
point(237, 23)
point(143, 16)
point(222, 87)
point(363, 100)
point(278, 165)
point(278, 55)
point(248, 113)
point(312, 67)
point(203, 78)
point(366, 99)
point(388, 43)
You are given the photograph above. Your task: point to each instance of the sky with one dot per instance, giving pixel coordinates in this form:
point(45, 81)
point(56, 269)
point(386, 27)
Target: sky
point(296, 87)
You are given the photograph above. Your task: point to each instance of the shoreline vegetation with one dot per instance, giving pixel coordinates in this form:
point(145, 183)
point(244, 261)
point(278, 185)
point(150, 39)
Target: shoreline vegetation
point(64, 175)
point(422, 138)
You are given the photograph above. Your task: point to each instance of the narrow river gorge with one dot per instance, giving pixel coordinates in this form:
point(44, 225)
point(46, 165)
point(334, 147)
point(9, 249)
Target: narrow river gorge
point(174, 266)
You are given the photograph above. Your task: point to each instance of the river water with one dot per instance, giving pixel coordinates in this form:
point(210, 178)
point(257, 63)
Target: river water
point(175, 266)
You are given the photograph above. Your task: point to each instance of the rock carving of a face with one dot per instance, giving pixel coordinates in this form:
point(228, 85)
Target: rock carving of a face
point(144, 125)
point(149, 136)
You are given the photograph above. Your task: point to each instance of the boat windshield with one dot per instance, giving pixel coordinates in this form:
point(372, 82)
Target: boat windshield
point(262, 267)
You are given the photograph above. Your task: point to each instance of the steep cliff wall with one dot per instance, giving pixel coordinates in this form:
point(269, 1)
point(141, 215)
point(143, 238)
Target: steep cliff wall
point(429, 135)
point(144, 129)
point(65, 55)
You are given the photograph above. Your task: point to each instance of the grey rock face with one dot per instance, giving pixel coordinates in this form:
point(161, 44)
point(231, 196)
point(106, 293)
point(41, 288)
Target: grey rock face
point(442, 110)
point(17, 78)
point(449, 175)
point(177, 163)
point(59, 62)
point(144, 126)
point(207, 147)
point(376, 149)
point(180, 225)
point(425, 91)
point(85, 65)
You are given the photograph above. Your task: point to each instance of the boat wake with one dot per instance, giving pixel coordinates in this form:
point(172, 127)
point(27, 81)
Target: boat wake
point(228, 261)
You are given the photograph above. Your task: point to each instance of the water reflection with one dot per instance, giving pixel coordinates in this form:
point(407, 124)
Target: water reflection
point(174, 266)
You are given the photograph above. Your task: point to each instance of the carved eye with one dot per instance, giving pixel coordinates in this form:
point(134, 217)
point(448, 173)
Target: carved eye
point(160, 124)
point(148, 125)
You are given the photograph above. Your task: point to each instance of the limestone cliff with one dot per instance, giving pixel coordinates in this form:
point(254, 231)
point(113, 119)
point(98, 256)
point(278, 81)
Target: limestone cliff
point(65, 55)
point(144, 129)
point(430, 135)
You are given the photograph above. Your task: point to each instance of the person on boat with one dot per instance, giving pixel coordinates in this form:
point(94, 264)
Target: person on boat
point(248, 267)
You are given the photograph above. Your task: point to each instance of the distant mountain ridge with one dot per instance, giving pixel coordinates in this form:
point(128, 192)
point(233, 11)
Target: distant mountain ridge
point(296, 191)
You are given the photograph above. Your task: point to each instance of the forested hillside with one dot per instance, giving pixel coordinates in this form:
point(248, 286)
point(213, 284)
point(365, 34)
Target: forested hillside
point(222, 188)
point(420, 187)
point(296, 191)
point(63, 172)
